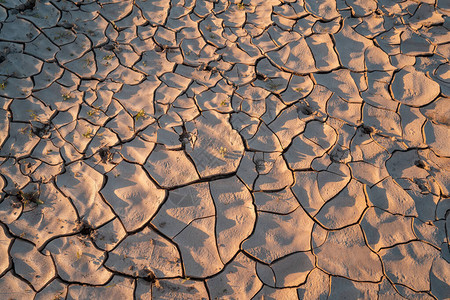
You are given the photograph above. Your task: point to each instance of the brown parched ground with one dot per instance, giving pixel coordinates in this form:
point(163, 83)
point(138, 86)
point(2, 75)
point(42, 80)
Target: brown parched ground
point(224, 149)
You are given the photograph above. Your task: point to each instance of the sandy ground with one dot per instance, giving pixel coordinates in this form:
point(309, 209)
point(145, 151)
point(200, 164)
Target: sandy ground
point(218, 149)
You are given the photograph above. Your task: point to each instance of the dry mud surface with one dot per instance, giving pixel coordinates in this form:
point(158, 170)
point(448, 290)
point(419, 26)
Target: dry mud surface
point(266, 149)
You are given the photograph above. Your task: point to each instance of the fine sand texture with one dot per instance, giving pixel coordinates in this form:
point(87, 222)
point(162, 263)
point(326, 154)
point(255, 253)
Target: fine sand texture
point(224, 149)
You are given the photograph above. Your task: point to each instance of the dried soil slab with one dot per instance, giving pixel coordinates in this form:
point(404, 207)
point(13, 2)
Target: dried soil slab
point(292, 270)
point(43, 15)
point(78, 260)
point(155, 11)
point(213, 133)
point(425, 193)
point(4, 125)
point(170, 168)
point(438, 111)
point(14, 288)
point(440, 168)
point(377, 60)
point(345, 253)
point(20, 142)
point(179, 289)
point(117, 9)
point(15, 87)
point(234, 16)
point(60, 36)
point(383, 229)
point(238, 279)
point(235, 217)
point(214, 99)
point(97, 36)
point(410, 264)
point(197, 244)
point(60, 97)
point(8, 211)
point(74, 50)
point(54, 289)
point(271, 293)
point(166, 95)
point(122, 123)
point(340, 109)
point(132, 195)
point(281, 202)
point(427, 15)
point(286, 126)
point(299, 87)
point(143, 289)
point(264, 140)
point(18, 31)
point(106, 62)
point(408, 293)
point(197, 53)
point(439, 278)
point(265, 43)
point(20, 65)
point(306, 190)
point(302, 152)
point(137, 150)
point(406, 165)
point(344, 209)
point(317, 286)
point(437, 35)
point(342, 83)
point(145, 251)
point(385, 121)
point(367, 173)
point(29, 263)
point(413, 88)
point(322, 48)
point(361, 8)
point(273, 173)
point(4, 247)
point(240, 74)
point(137, 97)
point(126, 75)
point(399, 61)
point(321, 27)
point(119, 288)
point(342, 288)
point(81, 184)
point(84, 67)
point(234, 55)
point(412, 121)
point(30, 109)
point(387, 291)
point(333, 180)
point(184, 205)
point(12, 175)
point(276, 236)
point(437, 136)
point(154, 63)
point(321, 134)
point(431, 232)
point(109, 235)
point(79, 134)
point(414, 44)
point(351, 47)
point(390, 196)
point(49, 73)
point(295, 57)
point(325, 10)
point(3, 14)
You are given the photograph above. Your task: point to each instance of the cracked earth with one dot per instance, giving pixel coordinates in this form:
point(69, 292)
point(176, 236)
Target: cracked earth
point(157, 149)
